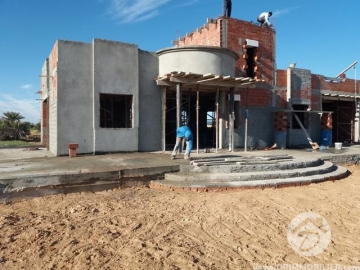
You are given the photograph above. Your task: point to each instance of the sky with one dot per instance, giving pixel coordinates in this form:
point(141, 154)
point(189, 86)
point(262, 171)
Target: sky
point(319, 35)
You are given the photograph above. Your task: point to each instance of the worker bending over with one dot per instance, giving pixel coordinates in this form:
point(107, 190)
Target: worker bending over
point(264, 19)
point(183, 133)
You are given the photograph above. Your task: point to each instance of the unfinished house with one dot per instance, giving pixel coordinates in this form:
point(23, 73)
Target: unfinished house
point(220, 80)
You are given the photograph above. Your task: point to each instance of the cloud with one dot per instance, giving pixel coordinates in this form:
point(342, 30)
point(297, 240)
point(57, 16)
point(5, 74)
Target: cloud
point(26, 86)
point(29, 108)
point(127, 11)
point(278, 13)
point(184, 4)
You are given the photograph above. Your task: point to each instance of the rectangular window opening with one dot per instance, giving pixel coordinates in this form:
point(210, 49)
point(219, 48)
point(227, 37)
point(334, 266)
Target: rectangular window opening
point(250, 62)
point(303, 116)
point(210, 119)
point(116, 111)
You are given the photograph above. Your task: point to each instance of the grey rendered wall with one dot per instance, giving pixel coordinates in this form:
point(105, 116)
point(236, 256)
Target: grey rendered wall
point(301, 92)
point(74, 97)
point(198, 59)
point(44, 88)
point(298, 137)
point(260, 129)
point(53, 101)
point(116, 71)
point(150, 124)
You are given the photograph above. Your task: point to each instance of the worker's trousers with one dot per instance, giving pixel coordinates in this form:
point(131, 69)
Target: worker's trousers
point(178, 145)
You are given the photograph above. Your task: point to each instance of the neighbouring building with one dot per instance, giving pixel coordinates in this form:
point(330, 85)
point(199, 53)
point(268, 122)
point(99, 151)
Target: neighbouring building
point(221, 80)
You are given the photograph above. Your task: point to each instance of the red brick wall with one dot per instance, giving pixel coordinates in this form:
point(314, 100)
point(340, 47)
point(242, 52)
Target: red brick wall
point(281, 99)
point(318, 82)
point(237, 32)
point(281, 78)
point(254, 96)
point(208, 35)
point(45, 123)
point(238, 29)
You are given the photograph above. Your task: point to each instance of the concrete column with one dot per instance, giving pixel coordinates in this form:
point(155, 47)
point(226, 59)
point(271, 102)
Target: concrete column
point(197, 120)
point(217, 121)
point(221, 118)
point(289, 105)
point(356, 124)
point(178, 111)
point(164, 118)
point(178, 104)
point(231, 120)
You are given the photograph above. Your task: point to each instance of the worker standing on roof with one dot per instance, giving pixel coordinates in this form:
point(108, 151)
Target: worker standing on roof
point(264, 19)
point(183, 133)
point(227, 8)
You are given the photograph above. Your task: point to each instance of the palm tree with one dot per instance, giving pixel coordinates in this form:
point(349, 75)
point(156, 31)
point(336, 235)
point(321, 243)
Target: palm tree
point(2, 131)
point(9, 118)
point(11, 126)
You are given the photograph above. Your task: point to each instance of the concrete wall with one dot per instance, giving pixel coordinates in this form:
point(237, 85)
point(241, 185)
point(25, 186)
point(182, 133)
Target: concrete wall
point(150, 119)
point(44, 97)
point(53, 102)
point(116, 71)
point(74, 96)
point(260, 129)
point(198, 59)
point(303, 94)
point(297, 137)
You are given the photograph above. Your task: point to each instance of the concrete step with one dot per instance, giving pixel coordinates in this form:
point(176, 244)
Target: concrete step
point(326, 167)
point(336, 174)
point(251, 167)
point(241, 160)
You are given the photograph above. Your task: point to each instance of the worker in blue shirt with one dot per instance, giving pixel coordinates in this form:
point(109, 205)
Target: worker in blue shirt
point(183, 133)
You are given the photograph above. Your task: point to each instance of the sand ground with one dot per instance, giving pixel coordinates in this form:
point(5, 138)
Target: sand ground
point(142, 228)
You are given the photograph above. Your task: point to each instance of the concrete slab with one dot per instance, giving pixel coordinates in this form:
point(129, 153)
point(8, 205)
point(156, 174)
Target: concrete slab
point(22, 167)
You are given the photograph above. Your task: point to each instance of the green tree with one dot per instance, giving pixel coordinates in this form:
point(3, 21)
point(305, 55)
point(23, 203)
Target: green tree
point(11, 126)
point(2, 130)
point(9, 118)
point(37, 126)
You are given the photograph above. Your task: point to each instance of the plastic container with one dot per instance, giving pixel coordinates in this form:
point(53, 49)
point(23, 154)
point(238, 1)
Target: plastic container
point(326, 137)
point(338, 145)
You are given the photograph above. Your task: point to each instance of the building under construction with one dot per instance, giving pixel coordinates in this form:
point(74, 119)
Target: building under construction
point(220, 80)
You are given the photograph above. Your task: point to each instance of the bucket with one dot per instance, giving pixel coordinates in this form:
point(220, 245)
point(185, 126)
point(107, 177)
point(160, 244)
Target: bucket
point(280, 139)
point(338, 145)
point(326, 137)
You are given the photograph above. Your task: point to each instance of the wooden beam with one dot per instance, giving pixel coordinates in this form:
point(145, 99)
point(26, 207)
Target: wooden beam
point(165, 83)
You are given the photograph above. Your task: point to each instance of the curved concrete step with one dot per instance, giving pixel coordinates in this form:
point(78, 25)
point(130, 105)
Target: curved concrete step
point(250, 167)
point(336, 174)
point(326, 167)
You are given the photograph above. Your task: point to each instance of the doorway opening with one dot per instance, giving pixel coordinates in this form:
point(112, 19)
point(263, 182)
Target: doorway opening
point(206, 121)
point(343, 119)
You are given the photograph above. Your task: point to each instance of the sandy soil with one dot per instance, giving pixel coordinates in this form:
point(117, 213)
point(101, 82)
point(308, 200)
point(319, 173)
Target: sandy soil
point(142, 228)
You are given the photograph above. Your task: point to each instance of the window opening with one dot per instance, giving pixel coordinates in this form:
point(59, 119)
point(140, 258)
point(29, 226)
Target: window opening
point(116, 111)
point(250, 62)
point(210, 119)
point(303, 116)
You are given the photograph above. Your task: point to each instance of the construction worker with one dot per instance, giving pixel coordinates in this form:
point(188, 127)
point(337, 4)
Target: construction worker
point(227, 8)
point(264, 19)
point(183, 133)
